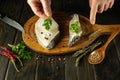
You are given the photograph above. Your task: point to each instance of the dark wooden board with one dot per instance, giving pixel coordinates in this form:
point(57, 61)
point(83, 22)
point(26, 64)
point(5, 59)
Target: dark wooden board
point(61, 47)
point(7, 35)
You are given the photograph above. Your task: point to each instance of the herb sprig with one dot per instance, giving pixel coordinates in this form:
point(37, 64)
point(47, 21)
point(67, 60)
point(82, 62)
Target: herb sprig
point(47, 23)
point(74, 27)
point(82, 52)
point(21, 50)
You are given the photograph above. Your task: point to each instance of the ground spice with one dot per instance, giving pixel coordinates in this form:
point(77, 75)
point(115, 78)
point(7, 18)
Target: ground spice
point(95, 57)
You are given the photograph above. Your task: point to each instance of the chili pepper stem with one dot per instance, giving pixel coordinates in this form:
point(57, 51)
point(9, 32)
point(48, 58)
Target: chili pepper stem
point(10, 45)
point(15, 65)
point(20, 61)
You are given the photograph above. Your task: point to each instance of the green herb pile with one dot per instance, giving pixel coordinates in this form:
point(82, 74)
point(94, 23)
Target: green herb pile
point(47, 23)
point(82, 52)
point(74, 27)
point(21, 50)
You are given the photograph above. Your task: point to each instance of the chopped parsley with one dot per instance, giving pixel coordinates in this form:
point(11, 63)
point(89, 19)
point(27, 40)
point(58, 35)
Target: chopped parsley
point(74, 27)
point(21, 50)
point(47, 23)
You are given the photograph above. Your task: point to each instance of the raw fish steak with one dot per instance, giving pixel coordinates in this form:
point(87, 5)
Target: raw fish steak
point(47, 32)
point(75, 30)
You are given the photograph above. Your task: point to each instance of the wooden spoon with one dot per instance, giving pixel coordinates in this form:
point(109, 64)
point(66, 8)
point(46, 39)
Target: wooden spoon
point(98, 55)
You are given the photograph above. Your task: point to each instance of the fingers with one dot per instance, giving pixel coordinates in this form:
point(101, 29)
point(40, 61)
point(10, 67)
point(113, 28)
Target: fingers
point(90, 2)
point(37, 9)
point(47, 7)
point(106, 7)
point(111, 4)
point(99, 6)
point(41, 7)
point(93, 12)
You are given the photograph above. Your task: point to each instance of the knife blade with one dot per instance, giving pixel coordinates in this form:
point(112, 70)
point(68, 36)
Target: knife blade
point(11, 22)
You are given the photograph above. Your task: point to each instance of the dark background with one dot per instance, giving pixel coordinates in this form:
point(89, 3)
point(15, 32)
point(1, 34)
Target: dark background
point(60, 67)
point(74, 6)
point(82, 7)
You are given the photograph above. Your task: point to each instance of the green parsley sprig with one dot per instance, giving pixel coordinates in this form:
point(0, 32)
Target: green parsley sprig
point(21, 50)
point(82, 52)
point(74, 27)
point(47, 23)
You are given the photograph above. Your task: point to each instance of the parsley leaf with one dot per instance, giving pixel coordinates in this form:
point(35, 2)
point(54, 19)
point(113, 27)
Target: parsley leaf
point(74, 27)
point(47, 23)
point(21, 50)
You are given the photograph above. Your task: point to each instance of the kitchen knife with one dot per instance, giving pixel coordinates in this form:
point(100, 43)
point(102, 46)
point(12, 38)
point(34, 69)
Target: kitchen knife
point(11, 22)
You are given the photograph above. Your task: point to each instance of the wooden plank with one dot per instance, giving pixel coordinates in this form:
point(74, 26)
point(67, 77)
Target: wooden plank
point(50, 68)
point(85, 71)
point(89, 72)
point(80, 70)
point(11, 72)
point(117, 46)
point(43, 70)
point(13, 10)
point(6, 36)
point(110, 65)
point(58, 67)
point(70, 68)
point(27, 72)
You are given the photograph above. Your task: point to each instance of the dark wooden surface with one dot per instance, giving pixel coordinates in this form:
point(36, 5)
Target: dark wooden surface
point(60, 67)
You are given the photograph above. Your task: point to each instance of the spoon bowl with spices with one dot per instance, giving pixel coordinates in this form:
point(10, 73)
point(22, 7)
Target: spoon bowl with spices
point(98, 55)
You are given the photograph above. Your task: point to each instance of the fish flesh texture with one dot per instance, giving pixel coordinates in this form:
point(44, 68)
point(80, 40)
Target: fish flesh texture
point(47, 32)
point(75, 30)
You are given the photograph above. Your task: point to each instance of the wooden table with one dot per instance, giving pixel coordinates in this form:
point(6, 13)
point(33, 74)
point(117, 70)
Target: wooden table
point(57, 67)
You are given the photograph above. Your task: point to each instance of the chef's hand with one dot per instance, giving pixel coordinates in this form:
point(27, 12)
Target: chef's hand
point(41, 8)
point(99, 6)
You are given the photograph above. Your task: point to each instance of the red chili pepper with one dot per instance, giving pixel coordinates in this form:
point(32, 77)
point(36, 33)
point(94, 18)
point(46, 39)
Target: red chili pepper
point(6, 52)
point(15, 56)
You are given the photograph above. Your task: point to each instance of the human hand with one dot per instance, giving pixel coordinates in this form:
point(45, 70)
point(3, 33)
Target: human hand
point(99, 6)
point(42, 8)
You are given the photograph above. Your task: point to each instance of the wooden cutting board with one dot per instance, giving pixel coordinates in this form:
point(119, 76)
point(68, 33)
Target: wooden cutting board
point(90, 33)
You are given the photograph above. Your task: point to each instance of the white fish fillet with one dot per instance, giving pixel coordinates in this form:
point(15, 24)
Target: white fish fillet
point(73, 36)
point(47, 38)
